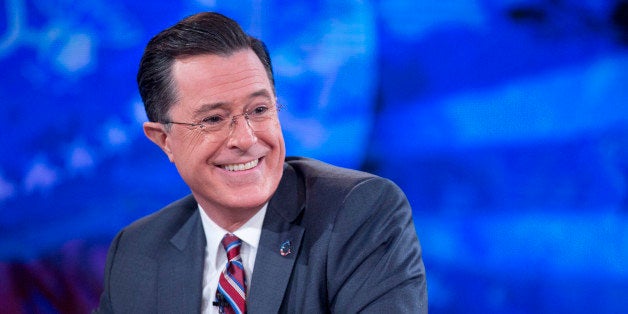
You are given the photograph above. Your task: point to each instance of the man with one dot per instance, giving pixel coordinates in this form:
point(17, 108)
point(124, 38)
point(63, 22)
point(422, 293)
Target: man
point(259, 233)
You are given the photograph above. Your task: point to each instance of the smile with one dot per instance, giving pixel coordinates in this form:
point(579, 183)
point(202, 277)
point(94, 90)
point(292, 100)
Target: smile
point(241, 167)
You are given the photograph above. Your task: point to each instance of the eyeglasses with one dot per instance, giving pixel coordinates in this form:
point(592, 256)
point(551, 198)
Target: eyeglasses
point(218, 127)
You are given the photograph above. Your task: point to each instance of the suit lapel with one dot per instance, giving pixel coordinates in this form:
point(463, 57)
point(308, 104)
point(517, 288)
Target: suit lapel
point(279, 245)
point(181, 269)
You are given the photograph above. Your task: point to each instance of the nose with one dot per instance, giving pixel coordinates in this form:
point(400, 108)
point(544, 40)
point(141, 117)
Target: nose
point(241, 135)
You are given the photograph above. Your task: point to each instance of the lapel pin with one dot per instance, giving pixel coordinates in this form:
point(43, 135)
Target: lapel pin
point(285, 248)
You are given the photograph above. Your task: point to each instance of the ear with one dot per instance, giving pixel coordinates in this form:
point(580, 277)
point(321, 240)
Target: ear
point(157, 133)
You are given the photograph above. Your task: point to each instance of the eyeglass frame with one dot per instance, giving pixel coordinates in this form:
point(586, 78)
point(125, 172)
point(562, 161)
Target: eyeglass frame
point(202, 126)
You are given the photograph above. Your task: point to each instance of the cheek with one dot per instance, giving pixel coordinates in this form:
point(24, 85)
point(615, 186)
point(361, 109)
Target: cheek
point(282, 144)
point(276, 136)
point(191, 147)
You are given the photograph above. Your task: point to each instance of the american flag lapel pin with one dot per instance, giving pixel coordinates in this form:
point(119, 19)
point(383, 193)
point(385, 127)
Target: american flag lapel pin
point(286, 248)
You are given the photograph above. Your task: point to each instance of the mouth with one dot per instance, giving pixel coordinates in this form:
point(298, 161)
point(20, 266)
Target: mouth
point(242, 166)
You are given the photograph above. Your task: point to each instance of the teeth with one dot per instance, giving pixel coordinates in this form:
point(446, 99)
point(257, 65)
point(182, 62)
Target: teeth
point(240, 167)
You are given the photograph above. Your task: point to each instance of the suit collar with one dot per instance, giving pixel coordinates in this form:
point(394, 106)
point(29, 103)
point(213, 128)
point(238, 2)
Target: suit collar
point(182, 237)
point(179, 284)
point(289, 199)
point(279, 245)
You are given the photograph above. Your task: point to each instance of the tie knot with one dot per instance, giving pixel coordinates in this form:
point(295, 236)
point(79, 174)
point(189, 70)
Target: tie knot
point(232, 244)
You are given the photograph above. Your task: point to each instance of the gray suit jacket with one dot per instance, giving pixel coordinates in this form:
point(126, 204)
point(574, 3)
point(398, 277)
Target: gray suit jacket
point(353, 249)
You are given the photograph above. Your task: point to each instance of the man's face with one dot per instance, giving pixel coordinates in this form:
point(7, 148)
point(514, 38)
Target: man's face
point(207, 85)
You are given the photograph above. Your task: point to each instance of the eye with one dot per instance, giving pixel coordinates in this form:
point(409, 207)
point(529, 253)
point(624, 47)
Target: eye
point(213, 120)
point(260, 110)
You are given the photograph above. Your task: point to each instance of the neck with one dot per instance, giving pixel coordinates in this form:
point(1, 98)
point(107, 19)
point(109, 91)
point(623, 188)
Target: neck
point(230, 219)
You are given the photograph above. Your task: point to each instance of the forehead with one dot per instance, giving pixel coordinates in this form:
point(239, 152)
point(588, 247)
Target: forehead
point(209, 78)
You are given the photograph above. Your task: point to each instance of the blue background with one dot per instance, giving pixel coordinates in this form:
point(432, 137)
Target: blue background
point(505, 122)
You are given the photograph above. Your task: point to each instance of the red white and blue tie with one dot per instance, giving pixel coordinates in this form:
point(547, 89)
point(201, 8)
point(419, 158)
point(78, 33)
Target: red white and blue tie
point(231, 292)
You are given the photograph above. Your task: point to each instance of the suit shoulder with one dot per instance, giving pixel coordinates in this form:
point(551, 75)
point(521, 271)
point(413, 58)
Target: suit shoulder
point(312, 170)
point(167, 213)
point(327, 183)
point(163, 222)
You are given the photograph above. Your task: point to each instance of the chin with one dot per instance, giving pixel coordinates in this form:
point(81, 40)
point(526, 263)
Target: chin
point(247, 206)
point(249, 201)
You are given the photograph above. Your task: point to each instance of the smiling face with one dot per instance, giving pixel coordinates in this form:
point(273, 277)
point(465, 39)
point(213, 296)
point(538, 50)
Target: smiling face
point(231, 178)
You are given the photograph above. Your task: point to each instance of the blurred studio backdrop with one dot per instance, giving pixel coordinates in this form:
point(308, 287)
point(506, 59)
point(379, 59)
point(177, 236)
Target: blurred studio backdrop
point(504, 121)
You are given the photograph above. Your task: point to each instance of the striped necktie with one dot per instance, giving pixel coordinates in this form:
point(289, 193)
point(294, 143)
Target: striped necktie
point(231, 292)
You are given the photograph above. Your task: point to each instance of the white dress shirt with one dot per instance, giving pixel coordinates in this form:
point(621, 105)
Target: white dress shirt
point(216, 257)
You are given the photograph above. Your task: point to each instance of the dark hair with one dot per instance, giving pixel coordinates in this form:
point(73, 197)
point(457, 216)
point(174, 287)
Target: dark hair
point(202, 33)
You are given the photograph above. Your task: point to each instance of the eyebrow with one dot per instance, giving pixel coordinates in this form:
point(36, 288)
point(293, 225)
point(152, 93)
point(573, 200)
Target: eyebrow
point(208, 107)
point(217, 105)
point(260, 93)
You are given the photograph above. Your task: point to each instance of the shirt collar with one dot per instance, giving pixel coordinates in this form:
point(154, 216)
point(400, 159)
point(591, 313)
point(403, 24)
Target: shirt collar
point(249, 233)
